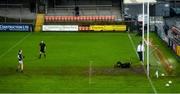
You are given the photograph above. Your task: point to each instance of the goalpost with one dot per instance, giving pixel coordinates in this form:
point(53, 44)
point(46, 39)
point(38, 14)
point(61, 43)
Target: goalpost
point(147, 37)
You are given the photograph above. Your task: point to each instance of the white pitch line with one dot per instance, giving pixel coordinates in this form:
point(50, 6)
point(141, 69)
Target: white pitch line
point(150, 81)
point(15, 45)
point(132, 43)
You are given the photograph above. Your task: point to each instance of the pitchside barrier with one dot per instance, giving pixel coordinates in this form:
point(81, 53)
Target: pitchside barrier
point(108, 27)
point(60, 28)
point(16, 27)
point(81, 28)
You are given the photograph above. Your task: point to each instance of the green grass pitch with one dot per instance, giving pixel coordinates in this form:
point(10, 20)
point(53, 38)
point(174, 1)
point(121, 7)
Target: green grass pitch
point(77, 63)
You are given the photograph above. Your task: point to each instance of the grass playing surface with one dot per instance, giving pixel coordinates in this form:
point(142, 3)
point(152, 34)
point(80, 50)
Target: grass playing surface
point(76, 62)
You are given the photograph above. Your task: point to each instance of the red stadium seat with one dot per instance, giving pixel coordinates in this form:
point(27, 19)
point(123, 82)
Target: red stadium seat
point(106, 18)
point(90, 18)
point(59, 18)
point(113, 18)
point(84, 18)
point(100, 18)
point(103, 18)
point(78, 18)
point(56, 18)
point(93, 18)
point(68, 18)
point(46, 18)
point(96, 18)
point(72, 18)
point(53, 18)
point(49, 18)
point(62, 18)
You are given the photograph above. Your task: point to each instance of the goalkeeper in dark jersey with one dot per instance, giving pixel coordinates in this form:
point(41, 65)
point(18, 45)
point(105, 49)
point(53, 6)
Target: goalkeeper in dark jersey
point(20, 59)
point(42, 46)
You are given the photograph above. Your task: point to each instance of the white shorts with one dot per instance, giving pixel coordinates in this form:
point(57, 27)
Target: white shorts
point(20, 62)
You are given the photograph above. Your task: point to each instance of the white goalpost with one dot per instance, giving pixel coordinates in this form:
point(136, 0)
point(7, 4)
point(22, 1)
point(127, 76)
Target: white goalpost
point(147, 36)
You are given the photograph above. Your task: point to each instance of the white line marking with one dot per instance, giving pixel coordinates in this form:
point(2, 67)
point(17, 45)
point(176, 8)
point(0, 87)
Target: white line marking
point(20, 41)
point(132, 43)
point(150, 81)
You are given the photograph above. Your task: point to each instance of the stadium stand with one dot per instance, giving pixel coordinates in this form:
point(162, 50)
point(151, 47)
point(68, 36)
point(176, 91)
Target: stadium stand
point(86, 8)
point(61, 12)
point(85, 11)
point(23, 13)
point(16, 12)
point(16, 9)
point(65, 12)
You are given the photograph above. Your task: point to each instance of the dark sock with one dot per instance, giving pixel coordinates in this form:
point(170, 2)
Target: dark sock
point(40, 56)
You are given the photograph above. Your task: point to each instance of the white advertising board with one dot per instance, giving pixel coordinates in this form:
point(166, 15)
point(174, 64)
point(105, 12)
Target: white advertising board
point(138, 1)
point(60, 28)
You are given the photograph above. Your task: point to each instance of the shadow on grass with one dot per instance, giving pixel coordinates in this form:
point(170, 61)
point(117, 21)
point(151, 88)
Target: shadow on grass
point(78, 71)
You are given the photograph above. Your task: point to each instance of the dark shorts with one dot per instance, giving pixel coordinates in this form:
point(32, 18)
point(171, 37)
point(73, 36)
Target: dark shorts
point(42, 51)
point(140, 56)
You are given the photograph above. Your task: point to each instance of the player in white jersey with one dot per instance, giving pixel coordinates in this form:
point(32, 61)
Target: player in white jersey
point(140, 50)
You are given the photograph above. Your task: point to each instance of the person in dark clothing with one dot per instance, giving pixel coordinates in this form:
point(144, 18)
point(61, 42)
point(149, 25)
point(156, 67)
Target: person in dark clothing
point(42, 49)
point(76, 11)
point(20, 59)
